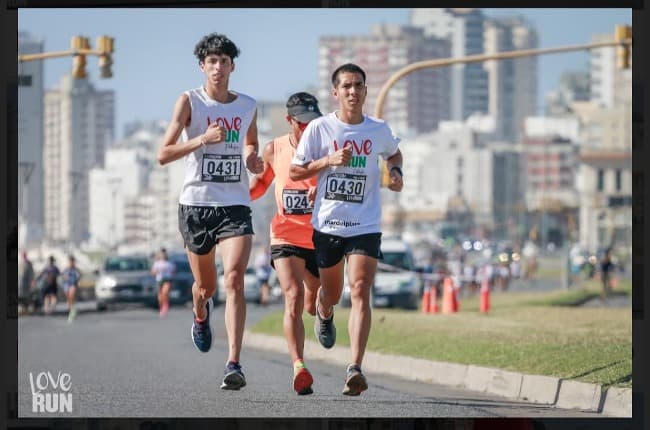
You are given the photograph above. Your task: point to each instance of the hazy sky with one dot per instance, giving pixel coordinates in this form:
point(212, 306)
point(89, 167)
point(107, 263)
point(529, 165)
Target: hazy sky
point(154, 61)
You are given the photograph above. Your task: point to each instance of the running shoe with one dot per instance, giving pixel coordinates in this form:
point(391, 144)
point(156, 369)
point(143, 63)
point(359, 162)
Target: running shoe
point(201, 331)
point(72, 314)
point(355, 381)
point(233, 377)
point(302, 379)
point(324, 329)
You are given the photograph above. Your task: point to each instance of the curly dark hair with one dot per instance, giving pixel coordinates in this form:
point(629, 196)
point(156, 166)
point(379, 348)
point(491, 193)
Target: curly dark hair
point(301, 98)
point(347, 68)
point(215, 43)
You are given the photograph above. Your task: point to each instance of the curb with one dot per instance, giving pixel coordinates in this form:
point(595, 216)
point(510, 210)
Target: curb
point(546, 390)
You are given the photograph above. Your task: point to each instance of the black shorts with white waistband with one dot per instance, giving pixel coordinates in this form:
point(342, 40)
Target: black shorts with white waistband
point(202, 227)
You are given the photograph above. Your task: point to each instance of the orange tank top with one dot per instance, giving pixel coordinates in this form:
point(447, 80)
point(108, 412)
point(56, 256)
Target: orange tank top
point(292, 221)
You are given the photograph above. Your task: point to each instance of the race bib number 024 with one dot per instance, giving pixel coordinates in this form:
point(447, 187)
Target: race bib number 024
point(295, 202)
point(345, 187)
point(221, 168)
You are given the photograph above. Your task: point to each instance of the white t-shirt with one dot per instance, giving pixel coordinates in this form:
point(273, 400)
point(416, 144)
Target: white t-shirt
point(215, 175)
point(348, 199)
point(164, 269)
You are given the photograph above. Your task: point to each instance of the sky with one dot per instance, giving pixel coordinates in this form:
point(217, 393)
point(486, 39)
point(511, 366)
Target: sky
point(154, 61)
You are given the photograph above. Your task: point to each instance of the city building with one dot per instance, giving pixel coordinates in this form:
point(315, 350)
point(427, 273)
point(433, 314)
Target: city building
point(79, 126)
point(574, 87)
point(512, 83)
point(31, 209)
point(418, 101)
point(123, 179)
point(464, 29)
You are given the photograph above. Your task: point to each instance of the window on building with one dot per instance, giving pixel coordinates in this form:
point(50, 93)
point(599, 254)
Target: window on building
point(619, 178)
point(600, 184)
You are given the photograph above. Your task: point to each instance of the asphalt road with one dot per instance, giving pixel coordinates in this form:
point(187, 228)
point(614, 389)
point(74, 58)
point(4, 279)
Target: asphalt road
point(129, 363)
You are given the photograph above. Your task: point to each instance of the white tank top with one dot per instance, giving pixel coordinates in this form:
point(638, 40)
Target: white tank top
point(215, 174)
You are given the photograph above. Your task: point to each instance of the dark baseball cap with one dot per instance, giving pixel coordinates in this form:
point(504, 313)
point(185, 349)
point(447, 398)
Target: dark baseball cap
point(303, 107)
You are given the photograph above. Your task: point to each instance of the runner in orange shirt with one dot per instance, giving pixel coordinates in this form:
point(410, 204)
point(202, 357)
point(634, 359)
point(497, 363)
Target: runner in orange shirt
point(292, 250)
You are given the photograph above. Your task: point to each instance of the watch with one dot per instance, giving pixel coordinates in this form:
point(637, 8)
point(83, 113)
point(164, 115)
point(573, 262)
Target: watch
point(399, 170)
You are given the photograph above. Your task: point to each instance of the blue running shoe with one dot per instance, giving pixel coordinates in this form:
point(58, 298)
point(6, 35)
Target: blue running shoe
point(233, 377)
point(201, 331)
point(325, 330)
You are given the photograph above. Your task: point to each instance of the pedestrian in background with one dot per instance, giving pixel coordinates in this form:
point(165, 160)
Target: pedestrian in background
point(25, 283)
point(164, 271)
point(343, 150)
point(48, 284)
point(70, 278)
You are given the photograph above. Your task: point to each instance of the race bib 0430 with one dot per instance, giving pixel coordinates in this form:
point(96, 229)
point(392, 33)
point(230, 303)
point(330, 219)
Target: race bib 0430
point(221, 168)
point(295, 202)
point(345, 187)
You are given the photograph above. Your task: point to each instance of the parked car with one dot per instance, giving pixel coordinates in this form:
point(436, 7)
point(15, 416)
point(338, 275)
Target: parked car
point(397, 281)
point(181, 290)
point(252, 290)
point(125, 279)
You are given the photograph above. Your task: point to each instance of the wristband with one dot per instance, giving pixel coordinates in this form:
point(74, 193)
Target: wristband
point(399, 170)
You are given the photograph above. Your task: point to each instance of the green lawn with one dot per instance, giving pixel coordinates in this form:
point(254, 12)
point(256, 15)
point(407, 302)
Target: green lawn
point(533, 333)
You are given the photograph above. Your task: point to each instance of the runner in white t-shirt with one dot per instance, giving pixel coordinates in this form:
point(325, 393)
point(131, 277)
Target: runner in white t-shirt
point(163, 270)
point(343, 149)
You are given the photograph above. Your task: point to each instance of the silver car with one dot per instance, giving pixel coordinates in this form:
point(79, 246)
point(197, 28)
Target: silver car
point(125, 279)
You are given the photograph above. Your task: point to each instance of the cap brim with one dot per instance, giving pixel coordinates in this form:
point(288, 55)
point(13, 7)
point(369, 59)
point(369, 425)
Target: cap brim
point(307, 116)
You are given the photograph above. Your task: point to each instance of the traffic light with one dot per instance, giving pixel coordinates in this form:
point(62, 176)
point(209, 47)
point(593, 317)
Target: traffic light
point(105, 45)
point(79, 60)
point(623, 34)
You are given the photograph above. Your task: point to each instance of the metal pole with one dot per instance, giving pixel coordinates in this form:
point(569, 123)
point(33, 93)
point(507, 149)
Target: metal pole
point(440, 62)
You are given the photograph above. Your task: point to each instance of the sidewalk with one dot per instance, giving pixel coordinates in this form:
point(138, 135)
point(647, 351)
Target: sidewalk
point(554, 392)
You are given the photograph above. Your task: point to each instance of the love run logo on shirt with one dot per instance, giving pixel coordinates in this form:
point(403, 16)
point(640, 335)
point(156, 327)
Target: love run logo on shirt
point(51, 393)
point(362, 149)
point(232, 126)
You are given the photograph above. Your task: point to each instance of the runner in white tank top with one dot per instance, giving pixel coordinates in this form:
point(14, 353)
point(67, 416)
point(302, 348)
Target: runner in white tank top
point(342, 148)
point(219, 143)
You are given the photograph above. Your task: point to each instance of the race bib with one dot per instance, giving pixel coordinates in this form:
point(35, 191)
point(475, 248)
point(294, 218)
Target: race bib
point(295, 202)
point(221, 168)
point(345, 187)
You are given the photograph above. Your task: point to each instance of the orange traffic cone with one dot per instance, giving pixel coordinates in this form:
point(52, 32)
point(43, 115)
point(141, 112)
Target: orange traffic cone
point(448, 296)
point(426, 301)
point(433, 308)
point(456, 299)
point(485, 295)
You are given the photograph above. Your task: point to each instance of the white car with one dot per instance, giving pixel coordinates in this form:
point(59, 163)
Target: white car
point(397, 283)
point(125, 279)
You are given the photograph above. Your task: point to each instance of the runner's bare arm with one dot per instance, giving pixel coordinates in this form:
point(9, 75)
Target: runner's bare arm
point(181, 117)
point(394, 166)
point(338, 158)
point(253, 162)
point(261, 183)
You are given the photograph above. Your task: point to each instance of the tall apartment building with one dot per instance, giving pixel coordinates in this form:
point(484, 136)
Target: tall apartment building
point(417, 102)
point(79, 126)
point(512, 83)
point(463, 28)
point(574, 87)
point(609, 85)
point(30, 141)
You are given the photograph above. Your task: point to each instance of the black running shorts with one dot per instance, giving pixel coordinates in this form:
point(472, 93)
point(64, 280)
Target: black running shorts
point(202, 227)
point(330, 249)
point(285, 251)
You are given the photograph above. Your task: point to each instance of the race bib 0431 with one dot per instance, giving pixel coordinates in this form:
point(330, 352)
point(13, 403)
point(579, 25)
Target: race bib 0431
point(221, 168)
